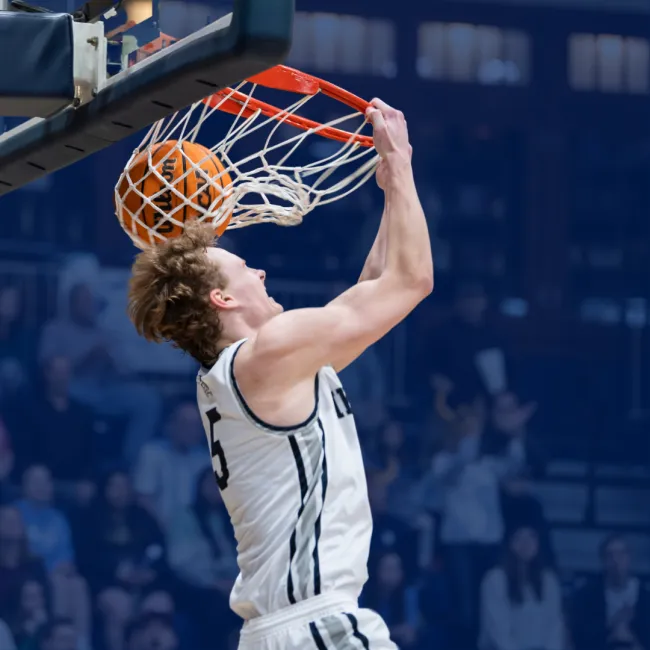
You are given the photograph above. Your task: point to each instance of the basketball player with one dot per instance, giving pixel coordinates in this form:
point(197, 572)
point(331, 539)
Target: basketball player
point(283, 440)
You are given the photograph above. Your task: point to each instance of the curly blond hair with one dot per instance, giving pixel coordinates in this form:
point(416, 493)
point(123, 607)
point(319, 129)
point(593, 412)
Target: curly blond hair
point(169, 293)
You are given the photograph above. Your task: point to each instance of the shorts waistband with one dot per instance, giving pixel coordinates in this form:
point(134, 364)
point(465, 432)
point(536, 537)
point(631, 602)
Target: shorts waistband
point(304, 611)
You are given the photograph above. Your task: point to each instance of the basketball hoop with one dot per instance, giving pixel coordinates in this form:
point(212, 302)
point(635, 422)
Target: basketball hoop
point(275, 184)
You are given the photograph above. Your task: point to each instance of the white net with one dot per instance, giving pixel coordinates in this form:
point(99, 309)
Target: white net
point(280, 182)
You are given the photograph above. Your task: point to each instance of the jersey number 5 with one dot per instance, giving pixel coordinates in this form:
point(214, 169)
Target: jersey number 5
point(216, 450)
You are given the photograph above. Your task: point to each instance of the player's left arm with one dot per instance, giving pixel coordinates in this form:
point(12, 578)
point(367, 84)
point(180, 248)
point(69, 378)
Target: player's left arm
point(372, 269)
point(376, 260)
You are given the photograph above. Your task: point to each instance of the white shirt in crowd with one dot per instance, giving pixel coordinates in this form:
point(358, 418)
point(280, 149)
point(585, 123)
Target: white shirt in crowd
point(469, 485)
point(168, 476)
point(618, 599)
point(531, 625)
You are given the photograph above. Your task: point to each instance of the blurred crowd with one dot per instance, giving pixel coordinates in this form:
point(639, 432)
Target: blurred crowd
point(113, 534)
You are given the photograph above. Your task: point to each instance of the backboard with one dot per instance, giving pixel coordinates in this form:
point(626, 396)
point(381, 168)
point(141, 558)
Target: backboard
point(151, 77)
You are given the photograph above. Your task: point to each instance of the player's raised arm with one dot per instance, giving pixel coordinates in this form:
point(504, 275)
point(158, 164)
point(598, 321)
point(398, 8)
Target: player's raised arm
point(292, 347)
point(376, 260)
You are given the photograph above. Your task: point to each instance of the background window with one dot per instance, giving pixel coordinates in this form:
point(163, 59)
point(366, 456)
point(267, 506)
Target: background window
point(342, 43)
point(467, 53)
point(609, 63)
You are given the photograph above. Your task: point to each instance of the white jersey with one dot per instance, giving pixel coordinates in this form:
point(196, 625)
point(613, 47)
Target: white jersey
point(296, 496)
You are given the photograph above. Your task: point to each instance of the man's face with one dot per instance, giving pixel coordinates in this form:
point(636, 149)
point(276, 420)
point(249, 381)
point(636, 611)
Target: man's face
point(525, 544)
point(57, 374)
point(245, 289)
point(118, 491)
point(37, 484)
point(617, 559)
point(390, 571)
point(9, 304)
point(82, 305)
point(12, 528)
point(509, 415)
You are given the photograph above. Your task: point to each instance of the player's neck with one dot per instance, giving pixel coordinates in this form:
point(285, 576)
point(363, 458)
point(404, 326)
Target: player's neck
point(235, 328)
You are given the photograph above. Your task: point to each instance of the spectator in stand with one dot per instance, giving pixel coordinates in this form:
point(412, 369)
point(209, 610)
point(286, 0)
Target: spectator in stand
point(167, 470)
point(50, 539)
point(468, 351)
point(152, 632)
point(467, 475)
point(48, 532)
point(393, 460)
point(521, 600)
point(365, 385)
point(7, 463)
point(122, 553)
point(17, 565)
point(203, 555)
point(60, 634)
point(100, 378)
point(390, 533)
point(436, 605)
point(30, 613)
point(16, 344)
point(612, 611)
point(509, 421)
point(389, 594)
point(162, 603)
point(66, 444)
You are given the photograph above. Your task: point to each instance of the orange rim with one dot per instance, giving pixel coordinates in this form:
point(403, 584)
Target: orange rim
point(281, 77)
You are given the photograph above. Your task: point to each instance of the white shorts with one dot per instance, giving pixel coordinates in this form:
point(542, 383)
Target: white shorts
point(327, 622)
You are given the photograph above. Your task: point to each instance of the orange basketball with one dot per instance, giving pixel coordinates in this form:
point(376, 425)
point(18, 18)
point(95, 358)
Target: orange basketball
point(168, 211)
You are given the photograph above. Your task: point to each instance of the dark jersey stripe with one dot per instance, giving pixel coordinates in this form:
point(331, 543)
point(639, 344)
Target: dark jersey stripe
point(302, 478)
point(317, 526)
point(355, 631)
point(318, 639)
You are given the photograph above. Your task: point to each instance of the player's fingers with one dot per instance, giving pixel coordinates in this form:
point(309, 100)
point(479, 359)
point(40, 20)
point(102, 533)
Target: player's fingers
point(375, 117)
point(386, 109)
point(381, 104)
point(370, 110)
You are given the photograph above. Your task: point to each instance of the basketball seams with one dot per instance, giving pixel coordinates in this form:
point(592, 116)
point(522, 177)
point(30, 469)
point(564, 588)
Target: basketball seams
point(142, 190)
point(208, 157)
point(198, 153)
point(217, 172)
point(160, 185)
point(158, 158)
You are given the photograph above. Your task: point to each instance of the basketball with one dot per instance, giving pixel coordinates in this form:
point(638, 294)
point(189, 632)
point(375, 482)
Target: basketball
point(169, 210)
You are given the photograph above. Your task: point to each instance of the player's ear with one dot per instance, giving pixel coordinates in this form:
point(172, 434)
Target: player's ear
point(222, 300)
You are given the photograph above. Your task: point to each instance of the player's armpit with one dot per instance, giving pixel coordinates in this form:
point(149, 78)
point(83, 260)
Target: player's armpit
point(293, 346)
